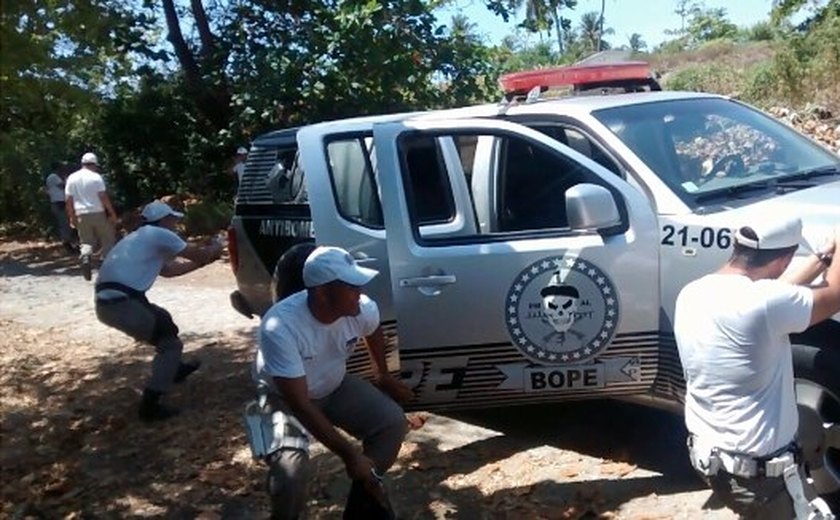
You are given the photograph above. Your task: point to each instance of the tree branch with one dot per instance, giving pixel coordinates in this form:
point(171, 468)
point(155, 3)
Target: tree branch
point(208, 43)
point(182, 51)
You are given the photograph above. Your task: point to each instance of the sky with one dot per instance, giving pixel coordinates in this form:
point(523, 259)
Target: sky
point(650, 18)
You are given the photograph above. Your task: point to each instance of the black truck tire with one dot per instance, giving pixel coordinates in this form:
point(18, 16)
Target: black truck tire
point(816, 367)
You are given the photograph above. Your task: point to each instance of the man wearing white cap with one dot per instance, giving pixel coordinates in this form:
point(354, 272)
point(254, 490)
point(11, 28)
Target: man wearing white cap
point(732, 329)
point(90, 211)
point(239, 164)
point(304, 343)
point(127, 273)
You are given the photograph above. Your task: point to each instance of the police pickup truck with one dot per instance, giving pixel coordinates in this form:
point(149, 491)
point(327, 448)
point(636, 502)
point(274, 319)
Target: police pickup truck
point(532, 250)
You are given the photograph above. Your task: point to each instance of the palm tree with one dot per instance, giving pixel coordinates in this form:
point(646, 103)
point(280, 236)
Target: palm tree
point(636, 42)
point(541, 15)
point(591, 33)
point(601, 23)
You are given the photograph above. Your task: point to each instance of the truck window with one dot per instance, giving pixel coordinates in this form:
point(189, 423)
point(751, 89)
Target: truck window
point(353, 182)
point(518, 186)
point(430, 196)
point(532, 185)
point(578, 141)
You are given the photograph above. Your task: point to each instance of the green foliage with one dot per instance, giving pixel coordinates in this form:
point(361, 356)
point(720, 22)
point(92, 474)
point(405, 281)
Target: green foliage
point(207, 217)
point(761, 31)
point(705, 78)
point(710, 24)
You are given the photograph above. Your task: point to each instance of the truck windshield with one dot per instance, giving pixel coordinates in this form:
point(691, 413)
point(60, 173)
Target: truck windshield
point(704, 148)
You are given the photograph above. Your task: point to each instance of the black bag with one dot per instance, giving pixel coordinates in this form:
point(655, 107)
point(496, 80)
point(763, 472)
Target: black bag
point(362, 504)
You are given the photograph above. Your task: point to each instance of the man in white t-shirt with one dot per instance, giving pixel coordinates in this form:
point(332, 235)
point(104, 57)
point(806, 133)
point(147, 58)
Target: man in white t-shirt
point(238, 169)
point(90, 211)
point(54, 185)
point(732, 329)
point(126, 274)
point(304, 343)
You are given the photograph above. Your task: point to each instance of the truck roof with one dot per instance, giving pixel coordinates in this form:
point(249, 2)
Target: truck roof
point(573, 104)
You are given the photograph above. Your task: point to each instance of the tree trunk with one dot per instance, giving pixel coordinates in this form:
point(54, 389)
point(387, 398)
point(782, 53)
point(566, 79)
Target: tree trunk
point(601, 25)
point(182, 51)
point(211, 98)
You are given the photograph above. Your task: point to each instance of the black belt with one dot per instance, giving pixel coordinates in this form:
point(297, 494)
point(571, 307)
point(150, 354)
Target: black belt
point(129, 292)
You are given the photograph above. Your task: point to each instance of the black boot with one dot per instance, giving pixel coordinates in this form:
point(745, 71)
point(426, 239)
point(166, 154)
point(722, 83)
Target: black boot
point(185, 369)
point(86, 267)
point(152, 410)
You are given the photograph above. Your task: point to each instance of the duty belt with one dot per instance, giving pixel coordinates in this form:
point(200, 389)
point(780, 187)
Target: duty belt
point(783, 463)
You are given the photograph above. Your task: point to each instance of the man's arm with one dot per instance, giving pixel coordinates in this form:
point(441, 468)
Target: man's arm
point(71, 210)
point(106, 203)
point(196, 257)
point(398, 390)
point(827, 295)
point(296, 396)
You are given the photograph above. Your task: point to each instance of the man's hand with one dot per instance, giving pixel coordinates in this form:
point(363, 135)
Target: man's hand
point(396, 389)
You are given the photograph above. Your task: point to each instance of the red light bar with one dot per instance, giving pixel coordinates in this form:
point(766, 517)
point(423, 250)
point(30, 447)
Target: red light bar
point(523, 82)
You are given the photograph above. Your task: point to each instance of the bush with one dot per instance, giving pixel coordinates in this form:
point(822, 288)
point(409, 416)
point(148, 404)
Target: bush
point(207, 217)
point(761, 85)
point(705, 78)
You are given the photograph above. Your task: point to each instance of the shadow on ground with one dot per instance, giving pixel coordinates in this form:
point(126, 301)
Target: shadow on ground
point(72, 446)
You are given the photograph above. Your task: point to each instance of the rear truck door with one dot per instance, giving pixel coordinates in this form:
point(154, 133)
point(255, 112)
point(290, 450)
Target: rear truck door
point(344, 196)
point(535, 302)
point(346, 212)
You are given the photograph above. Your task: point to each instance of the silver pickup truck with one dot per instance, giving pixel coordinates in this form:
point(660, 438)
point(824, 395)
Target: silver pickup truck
point(532, 250)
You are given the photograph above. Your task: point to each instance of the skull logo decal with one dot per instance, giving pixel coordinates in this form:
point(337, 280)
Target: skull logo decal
point(562, 309)
point(559, 304)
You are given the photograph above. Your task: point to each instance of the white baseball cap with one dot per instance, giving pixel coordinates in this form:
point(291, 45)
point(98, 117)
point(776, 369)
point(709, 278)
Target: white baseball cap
point(241, 151)
point(157, 210)
point(327, 264)
point(773, 233)
point(90, 158)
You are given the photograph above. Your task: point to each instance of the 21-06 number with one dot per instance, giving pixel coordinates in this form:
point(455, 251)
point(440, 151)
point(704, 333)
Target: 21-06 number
point(708, 237)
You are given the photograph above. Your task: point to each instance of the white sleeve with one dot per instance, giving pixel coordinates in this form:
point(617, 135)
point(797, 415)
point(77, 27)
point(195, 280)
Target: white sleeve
point(789, 308)
point(369, 315)
point(279, 350)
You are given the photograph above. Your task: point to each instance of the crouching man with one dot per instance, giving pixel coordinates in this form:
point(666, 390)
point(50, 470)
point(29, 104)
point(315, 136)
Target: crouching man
point(304, 343)
point(127, 273)
point(732, 329)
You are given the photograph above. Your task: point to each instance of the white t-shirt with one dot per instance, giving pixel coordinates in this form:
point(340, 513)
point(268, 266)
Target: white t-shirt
point(85, 186)
point(239, 171)
point(55, 187)
point(292, 343)
point(732, 336)
point(137, 259)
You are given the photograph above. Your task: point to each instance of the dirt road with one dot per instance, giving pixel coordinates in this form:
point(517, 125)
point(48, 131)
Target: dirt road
point(72, 447)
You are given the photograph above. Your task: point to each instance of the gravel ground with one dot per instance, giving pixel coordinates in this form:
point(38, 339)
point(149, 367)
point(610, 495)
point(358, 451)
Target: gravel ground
point(68, 390)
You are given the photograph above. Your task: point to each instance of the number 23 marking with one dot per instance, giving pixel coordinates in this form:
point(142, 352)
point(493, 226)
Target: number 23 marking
point(708, 237)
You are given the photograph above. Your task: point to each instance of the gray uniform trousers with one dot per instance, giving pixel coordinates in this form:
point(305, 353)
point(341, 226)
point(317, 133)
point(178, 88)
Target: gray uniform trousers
point(62, 224)
point(360, 409)
point(149, 323)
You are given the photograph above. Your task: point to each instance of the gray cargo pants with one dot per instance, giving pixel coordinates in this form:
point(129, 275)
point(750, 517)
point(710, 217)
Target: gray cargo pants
point(360, 409)
point(151, 324)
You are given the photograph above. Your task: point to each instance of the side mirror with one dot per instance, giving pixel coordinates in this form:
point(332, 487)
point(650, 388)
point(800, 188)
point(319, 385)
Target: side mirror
point(591, 207)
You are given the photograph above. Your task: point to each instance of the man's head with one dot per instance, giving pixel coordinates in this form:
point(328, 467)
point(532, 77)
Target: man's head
point(159, 213)
point(90, 161)
point(766, 248)
point(334, 281)
point(241, 154)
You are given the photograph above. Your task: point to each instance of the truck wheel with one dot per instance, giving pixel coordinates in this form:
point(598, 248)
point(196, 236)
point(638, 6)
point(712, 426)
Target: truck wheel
point(816, 363)
point(288, 273)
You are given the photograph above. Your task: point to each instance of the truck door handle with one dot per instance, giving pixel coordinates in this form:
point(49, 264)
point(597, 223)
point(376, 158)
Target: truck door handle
point(428, 281)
